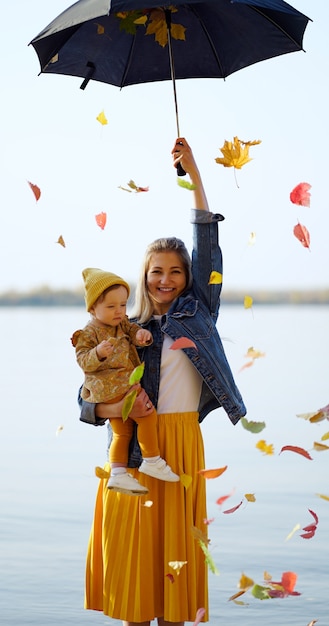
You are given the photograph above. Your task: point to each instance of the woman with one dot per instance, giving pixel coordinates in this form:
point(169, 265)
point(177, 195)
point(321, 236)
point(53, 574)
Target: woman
point(135, 549)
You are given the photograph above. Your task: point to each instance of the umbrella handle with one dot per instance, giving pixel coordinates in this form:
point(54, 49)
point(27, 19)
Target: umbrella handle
point(180, 169)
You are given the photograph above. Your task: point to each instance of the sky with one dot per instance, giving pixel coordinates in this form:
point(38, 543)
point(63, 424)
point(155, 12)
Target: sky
point(50, 136)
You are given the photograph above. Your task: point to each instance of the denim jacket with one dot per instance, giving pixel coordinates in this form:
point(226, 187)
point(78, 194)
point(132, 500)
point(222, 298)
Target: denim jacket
point(193, 315)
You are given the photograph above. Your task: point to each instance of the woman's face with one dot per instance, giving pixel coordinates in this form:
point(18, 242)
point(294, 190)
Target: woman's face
point(165, 279)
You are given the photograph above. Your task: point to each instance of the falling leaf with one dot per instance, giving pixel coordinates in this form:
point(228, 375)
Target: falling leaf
point(320, 495)
point(300, 194)
point(101, 473)
point(245, 582)
point(293, 531)
point(177, 565)
point(254, 354)
point(186, 184)
point(252, 239)
point(170, 577)
point(247, 302)
point(320, 447)
point(250, 497)
point(128, 404)
point(185, 480)
point(253, 427)
point(260, 592)
point(199, 535)
point(101, 219)
point(264, 447)
point(148, 504)
point(183, 342)
point(133, 187)
point(101, 118)
point(212, 473)
point(325, 436)
point(208, 521)
point(36, 190)
point(298, 450)
point(312, 622)
point(222, 499)
point(285, 587)
point(59, 430)
point(302, 235)
point(209, 560)
point(238, 594)
point(198, 617)
point(215, 278)
point(136, 374)
point(61, 241)
point(246, 365)
point(235, 154)
point(234, 508)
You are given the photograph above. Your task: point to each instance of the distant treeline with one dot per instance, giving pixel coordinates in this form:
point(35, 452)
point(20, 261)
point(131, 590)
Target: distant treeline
point(46, 297)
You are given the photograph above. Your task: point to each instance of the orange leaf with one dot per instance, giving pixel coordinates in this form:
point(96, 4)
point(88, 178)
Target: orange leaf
point(212, 473)
point(183, 342)
point(61, 241)
point(302, 235)
point(101, 219)
point(36, 190)
point(298, 450)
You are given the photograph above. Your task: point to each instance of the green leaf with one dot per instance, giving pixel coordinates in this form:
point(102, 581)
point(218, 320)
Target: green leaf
point(209, 559)
point(128, 404)
point(136, 374)
point(185, 184)
point(260, 592)
point(253, 427)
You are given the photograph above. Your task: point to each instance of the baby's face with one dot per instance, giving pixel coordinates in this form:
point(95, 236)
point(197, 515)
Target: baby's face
point(112, 309)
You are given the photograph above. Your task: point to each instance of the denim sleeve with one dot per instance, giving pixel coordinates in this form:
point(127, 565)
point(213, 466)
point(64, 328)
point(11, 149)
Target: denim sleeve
point(206, 258)
point(87, 412)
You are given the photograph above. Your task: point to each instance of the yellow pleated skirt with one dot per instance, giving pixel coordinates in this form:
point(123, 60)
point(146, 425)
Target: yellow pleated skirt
point(134, 539)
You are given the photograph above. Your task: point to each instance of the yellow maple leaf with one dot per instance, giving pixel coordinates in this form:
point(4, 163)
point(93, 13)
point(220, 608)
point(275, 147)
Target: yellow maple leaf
point(236, 153)
point(264, 447)
point(185, 480)
point(157, 26)
point(245, 582)
point(250, 497)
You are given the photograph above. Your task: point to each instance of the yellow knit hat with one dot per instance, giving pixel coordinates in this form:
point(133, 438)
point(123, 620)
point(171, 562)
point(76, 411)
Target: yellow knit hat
point(96, 281)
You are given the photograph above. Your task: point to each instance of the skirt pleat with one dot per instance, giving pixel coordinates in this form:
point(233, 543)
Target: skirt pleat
point(134, 539)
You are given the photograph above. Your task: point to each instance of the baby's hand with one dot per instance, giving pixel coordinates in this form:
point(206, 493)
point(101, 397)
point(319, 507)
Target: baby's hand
point(144, 336)
point(104, 349)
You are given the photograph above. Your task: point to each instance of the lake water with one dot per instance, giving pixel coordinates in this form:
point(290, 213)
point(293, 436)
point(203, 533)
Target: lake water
point(47, 461)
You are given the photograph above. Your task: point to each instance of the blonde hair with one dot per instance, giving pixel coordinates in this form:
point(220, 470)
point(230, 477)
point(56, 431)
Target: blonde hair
point(143, 307)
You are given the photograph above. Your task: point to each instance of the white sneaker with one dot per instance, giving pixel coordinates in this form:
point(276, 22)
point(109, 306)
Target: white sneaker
point(126, 483)
point(159, 470)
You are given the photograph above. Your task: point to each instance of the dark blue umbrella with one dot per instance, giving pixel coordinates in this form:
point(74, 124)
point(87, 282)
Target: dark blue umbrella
point(127, 42)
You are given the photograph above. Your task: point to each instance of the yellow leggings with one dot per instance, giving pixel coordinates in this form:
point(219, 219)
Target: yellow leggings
point(147, 434)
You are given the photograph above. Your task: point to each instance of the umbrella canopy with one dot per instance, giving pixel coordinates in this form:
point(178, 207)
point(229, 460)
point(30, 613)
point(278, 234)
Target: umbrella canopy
point(124, 42)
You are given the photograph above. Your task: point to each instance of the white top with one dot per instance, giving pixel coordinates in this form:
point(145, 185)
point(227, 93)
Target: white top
point(180, 382)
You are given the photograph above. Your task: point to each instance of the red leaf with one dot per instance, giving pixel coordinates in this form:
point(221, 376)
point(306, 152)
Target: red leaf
point(302, 235)
point(222, 499)
point(36, 190)
point(234, 508)
point(171, 578)
point(297, 450)
point(183, 342)
point(309, 534)
point(315, 516)
point(101, 220)
point(300, 194)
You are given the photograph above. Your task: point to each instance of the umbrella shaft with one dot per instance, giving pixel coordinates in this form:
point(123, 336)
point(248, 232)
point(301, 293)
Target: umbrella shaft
point(172, 67)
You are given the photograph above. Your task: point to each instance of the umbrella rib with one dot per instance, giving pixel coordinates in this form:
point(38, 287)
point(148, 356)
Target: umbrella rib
point(126, 70)
point(266, 17)
point(209, 40)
